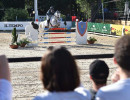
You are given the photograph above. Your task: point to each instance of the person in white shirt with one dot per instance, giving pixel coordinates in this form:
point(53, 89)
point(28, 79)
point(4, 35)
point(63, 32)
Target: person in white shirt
point(5, 85)
point(120, 90)
point(60, 77)
point(98, 72)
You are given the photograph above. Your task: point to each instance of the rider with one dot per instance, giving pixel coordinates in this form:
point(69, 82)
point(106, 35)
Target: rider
point(49, 14)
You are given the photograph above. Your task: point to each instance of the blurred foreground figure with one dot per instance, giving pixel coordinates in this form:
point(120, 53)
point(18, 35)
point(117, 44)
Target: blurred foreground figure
point(99, 72)
point(5, 85)
point(60, 77)
point(119, 90)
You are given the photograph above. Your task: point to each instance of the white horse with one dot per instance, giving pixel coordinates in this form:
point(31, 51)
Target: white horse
point(54, 22)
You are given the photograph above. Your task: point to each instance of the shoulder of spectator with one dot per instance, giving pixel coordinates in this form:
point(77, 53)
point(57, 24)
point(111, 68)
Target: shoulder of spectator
point(81, 90)
point(43, 96)
point(100, 95)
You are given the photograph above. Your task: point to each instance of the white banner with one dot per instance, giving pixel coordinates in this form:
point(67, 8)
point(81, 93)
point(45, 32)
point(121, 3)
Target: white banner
point(11, 25)
point(22, 25)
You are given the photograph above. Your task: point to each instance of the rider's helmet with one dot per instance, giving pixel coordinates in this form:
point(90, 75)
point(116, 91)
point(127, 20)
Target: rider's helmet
point(51, 7)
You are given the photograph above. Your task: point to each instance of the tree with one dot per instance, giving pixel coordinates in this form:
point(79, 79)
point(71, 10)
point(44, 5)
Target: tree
point(11, 13)
point(84, 9)
point(89, 7)
point(93, 8)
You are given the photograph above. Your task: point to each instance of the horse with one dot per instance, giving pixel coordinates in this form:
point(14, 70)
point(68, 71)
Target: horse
point(54, 22)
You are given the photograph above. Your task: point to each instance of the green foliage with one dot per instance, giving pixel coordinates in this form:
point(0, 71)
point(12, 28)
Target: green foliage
point(92, 39)
point(14, 36)
point(84, 7)
point(10, 14)
point(24, 41)
point(63, 17)
point(29, 4)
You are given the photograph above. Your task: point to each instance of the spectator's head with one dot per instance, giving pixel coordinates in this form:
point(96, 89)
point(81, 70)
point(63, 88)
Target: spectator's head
point(59, 71)
point(99, 72)
point(122, 52)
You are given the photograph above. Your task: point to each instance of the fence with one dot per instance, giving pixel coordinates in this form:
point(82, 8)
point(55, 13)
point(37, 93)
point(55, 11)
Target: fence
point(58, 37)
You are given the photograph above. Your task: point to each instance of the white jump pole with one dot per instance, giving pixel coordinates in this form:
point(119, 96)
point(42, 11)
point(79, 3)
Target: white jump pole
point(35, 9)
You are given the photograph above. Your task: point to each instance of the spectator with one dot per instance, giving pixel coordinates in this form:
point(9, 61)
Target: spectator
point(60, 77)
point(99, 72)
point(121, 89)
point(5, 85)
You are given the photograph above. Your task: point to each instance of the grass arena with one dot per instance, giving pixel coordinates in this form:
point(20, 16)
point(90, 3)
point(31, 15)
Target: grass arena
point(25, 75)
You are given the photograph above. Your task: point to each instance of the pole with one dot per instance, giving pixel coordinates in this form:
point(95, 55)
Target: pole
point(35, 9)
point(126, 19)
point(126, 11)
point(102, 12)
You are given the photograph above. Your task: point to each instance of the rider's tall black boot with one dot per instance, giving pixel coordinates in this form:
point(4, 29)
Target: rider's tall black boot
point(48, 21)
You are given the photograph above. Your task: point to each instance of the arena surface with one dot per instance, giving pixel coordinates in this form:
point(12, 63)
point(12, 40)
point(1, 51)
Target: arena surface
point(25, 76)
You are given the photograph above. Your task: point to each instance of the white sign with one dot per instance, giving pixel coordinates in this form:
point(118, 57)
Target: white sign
point(22, 25)
point(11, 25)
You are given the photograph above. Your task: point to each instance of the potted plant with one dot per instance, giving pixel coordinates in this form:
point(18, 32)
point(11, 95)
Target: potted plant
point(14, 44)
point(91, 40)
point(23, 42)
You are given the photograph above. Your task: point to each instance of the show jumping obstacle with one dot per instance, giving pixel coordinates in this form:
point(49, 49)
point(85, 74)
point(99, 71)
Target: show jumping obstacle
point(57, 37)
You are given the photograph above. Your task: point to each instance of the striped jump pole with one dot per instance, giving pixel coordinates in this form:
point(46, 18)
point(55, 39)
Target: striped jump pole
point(57, 37)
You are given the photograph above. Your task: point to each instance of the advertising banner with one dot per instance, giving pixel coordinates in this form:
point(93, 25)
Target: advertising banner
point(104, 28)
point(116, 29)
point(99, 27)
point(92, 27)
point(21, 25)
point(127, 30)
point(11, 25)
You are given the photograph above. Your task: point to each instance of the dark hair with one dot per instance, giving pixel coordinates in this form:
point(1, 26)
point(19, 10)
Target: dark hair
point(99, 71)
point(122, 52)
point(99, 81)
point(59, 70)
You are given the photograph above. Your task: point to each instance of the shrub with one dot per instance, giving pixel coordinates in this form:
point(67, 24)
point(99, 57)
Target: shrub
point(92, 39)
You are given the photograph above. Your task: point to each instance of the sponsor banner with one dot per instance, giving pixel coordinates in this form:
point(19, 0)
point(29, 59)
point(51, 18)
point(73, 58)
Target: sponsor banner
point(92, 27)
point(104, 28)
point(116, 29)
point(11, 25)
point(22, 25)
point(127, 30)
point(99, 27)
point(81, 32)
